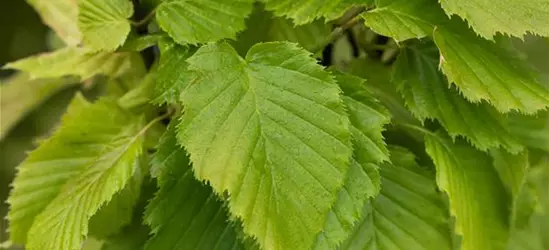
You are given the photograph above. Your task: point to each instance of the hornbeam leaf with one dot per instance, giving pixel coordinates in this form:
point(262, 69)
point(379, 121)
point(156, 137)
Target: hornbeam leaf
point(185, 214)
point(104, 23)
point(404, 19)
point(66, 180)
point(73, 61)
point(306, 11)
point(484, 71)
point(409, 213)
point(429, 96)
point(201, 21)
point(488, 17)
point(367, 121)
point(171, 75)
point(481, 69)
point(478, 200)
point(532, 130)
point(60, 16)
point(272, 132)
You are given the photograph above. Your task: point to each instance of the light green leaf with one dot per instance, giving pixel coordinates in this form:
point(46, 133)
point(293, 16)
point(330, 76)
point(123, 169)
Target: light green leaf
point(513, 17)
point(484, 71)
point(429, 96)
point(104, 23)
point(72, 61)
point(60, 16)
point(172, 77)
point(87, 160)
point(118, 213)
point(404, 19)
point(185, 214)
point(201, 21)
point(478, 200)
point(20, 95)
point(409, 212)
point(271, 131)
point(304, 11)
point(367, 121)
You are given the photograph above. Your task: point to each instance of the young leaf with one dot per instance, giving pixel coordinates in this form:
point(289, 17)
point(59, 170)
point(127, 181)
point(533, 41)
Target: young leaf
point(72, 61)
point(484, 71)
point(477, 197)
point(271, 131)
point(104, 23)
point(20, 95)
point(87, 160)
point(429, 96)
point(404, 19)
point(201, 21)
point(367, 121)
point(488, 18)
point(409, 213)
point(114, 216)
point(185, 214)
point(172, 77)
point(60, 16)
point(306, 11)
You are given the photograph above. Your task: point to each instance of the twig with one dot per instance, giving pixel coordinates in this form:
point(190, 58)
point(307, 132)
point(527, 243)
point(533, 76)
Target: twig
point(145, 20)
point(349, 20)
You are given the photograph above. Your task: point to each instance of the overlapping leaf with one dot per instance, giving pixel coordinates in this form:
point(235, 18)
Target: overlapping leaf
point(478, 200)
point(185, 214)
point(60, 16)
point(484, 71)
point(66, 180)
point(488, 17)
point(532, 131)
point(409, 213)
point(273, 135)
point(481, 69)
point(367, 121)
point(429, 96)
point(73, 61)
point(201, 21)
point(104, 23)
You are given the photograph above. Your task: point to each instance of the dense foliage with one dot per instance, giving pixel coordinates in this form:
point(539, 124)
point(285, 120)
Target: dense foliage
point(287, 125)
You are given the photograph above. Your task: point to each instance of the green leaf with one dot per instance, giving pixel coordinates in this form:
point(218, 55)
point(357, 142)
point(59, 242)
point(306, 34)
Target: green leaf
point(484, 71)
point(88, 159)
point(409, 212)
point(404, 19)
point(201, 21)
point(513, 17)
point(171, 75)
point(306, 11)
point(104, 23)
point(532, 131)
point(117, 214)
point(60, 16)
point(262, 26)
point(478, 200)
point(21, 95)
point(429, 96)
point(271, 131)
point(185, 214)
point(367, 121)
point(72, 61)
